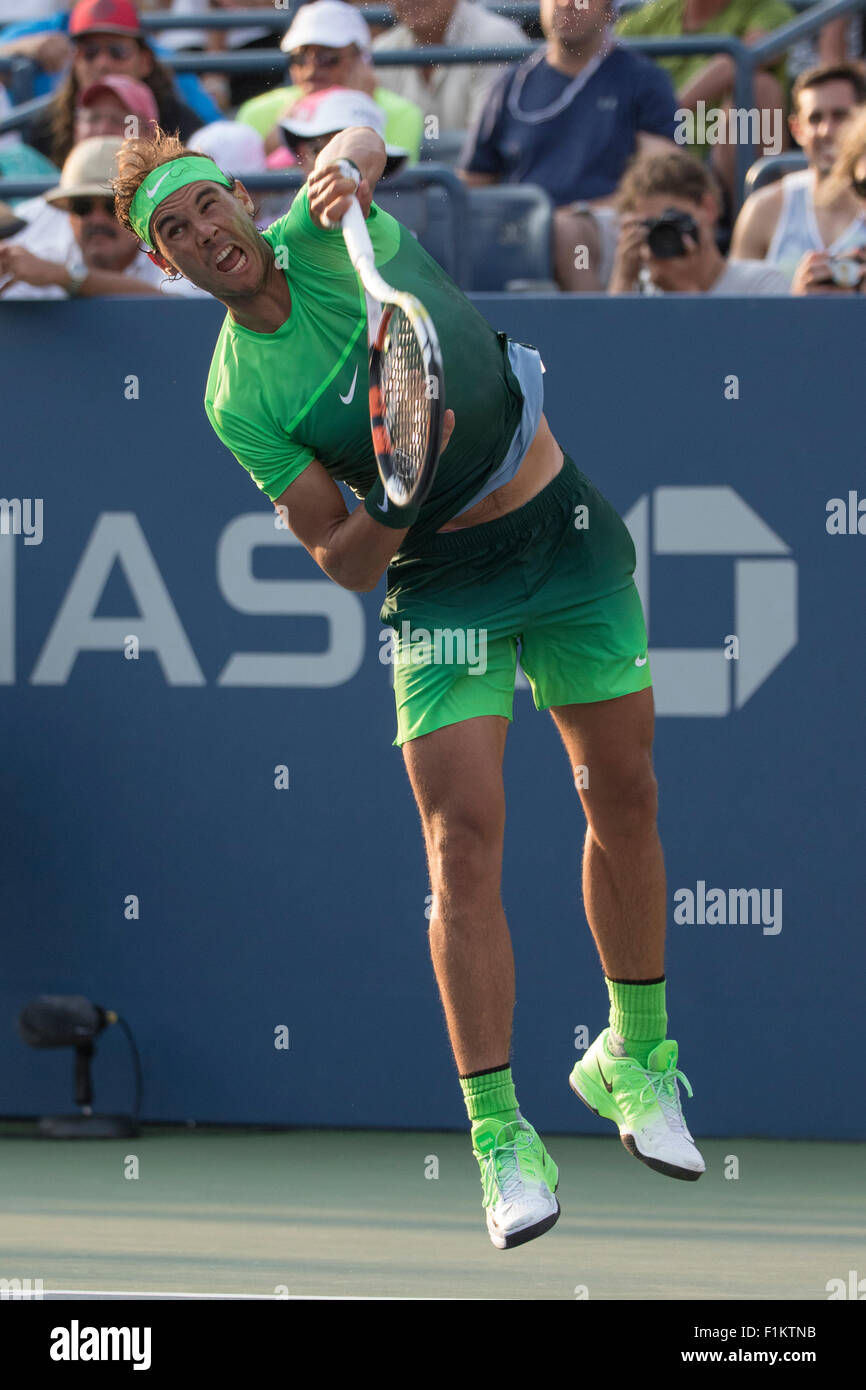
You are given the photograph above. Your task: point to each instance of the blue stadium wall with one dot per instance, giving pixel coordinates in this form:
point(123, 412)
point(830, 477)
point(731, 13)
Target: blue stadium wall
point(721, 429)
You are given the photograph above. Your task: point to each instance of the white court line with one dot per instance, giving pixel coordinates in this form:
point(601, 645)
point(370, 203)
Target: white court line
point(57, 1294)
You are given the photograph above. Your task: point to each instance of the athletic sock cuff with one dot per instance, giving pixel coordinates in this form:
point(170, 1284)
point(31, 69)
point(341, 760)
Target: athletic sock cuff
point(637, 1011)
point(488, 1093)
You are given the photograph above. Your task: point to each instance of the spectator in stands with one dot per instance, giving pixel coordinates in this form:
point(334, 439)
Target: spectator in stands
point(10, 222)
point(115, 105)
point(783, 221)
point(17, 160)
point(97, 256)
point(375, 29)
point(328, 43)
point(106, 39)
point(111, 106)
point(710, 80)
point(45, 40)
point(233, 89)
point(314, 120)
point(451, 93)
point(569, 119)
point(843, 270)
point(670, 205)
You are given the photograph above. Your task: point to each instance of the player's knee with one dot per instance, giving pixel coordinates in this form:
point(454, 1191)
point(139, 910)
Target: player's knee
point(623, 799)
point(464, 847)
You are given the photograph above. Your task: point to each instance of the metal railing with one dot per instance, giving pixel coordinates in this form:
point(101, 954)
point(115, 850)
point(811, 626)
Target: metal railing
point(290, 180)
point(747, 59)
point(19, 75)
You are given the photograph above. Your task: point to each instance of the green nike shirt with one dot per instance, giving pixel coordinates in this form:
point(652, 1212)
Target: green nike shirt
point(279, 400)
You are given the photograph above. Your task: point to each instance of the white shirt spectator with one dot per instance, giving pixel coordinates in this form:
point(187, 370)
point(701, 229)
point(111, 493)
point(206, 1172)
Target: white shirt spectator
point(51, 238)
point(455, 91)
point(738, 278)
point(750, 277)
point(195, 38)
point(47, 228)
point(797, 230)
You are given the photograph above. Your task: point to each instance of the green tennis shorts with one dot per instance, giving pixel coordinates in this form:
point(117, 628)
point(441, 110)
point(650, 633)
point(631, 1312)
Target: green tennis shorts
point(555, 576)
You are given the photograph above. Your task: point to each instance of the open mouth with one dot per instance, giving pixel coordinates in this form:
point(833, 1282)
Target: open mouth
point(231, 259)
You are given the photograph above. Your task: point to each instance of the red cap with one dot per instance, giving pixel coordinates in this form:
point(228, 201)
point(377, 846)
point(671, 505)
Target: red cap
point(104, 17)
point(136, 97)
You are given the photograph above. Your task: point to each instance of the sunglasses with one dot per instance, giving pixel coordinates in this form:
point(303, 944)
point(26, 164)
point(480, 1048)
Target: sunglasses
point(119, 50)
point(83, 207)
point(859, 186)
point(304, 58)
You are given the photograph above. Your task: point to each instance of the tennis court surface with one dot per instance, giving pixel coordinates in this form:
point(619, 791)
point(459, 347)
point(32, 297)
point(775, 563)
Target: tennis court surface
point(339, 1213)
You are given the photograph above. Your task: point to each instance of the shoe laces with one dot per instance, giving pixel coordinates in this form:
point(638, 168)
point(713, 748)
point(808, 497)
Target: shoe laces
point(662, 1086)
point(503, 1159)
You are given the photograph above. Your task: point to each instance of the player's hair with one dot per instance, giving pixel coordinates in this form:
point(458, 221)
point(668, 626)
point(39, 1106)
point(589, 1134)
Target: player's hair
point(852, 72)
point(138, 158)
point(667, 171)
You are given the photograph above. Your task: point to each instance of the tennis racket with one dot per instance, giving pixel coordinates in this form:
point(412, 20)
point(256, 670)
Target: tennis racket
point(407, 383)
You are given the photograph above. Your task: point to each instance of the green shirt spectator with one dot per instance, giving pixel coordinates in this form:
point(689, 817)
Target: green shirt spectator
point(404, 121)
point(742, 19)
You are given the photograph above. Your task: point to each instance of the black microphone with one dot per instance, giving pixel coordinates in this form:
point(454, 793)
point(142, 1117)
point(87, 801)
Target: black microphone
point(61, 1020)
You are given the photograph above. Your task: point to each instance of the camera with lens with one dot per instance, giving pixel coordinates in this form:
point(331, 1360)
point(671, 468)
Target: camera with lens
point(664, 235)
point(845, 270)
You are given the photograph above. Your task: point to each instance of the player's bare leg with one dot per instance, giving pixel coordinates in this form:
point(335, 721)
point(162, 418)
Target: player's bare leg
point(629, 1074)
point(624, 888)
point(456, 776)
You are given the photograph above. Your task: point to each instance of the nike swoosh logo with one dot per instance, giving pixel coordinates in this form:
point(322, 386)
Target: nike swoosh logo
point(640, 660)
point(152, 192)
point(383, 506)
point(608, 1086)
point(347, 400)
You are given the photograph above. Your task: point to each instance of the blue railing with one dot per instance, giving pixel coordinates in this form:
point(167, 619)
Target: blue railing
point(747, 59)
point(289, 180)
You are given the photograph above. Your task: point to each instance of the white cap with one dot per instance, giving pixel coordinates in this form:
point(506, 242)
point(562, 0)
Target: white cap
point(328, 23)
point(335, 108)
point(234, 146)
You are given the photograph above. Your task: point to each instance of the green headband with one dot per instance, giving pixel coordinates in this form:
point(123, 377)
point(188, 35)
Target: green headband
point(166, 179)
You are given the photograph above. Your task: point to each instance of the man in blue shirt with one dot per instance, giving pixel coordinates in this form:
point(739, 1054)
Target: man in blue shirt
point(569, 119)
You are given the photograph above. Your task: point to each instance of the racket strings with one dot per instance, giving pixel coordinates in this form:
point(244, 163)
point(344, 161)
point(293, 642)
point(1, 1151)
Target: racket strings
point(406, 400)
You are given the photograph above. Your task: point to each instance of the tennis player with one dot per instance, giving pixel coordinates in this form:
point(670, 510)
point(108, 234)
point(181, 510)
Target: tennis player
point(512, 543)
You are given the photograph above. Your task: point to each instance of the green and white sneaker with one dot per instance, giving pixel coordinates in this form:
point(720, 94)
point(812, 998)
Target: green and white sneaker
point(644, 1104)
point(519, 1179)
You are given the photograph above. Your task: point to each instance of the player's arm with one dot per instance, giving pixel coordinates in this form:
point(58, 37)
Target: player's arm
point(351, 548)
point(754, 227)
point(329, 191)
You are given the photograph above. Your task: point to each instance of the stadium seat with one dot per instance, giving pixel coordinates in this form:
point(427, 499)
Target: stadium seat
point(512, 237)
point(431, 201)
point(772, 167)
point(445, 149)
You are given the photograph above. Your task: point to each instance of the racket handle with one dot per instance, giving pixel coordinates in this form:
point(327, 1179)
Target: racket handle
point(356, 236)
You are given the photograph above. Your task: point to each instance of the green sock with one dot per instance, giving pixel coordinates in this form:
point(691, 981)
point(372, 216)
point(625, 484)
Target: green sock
point(638, 1018)
point(489, 1095)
